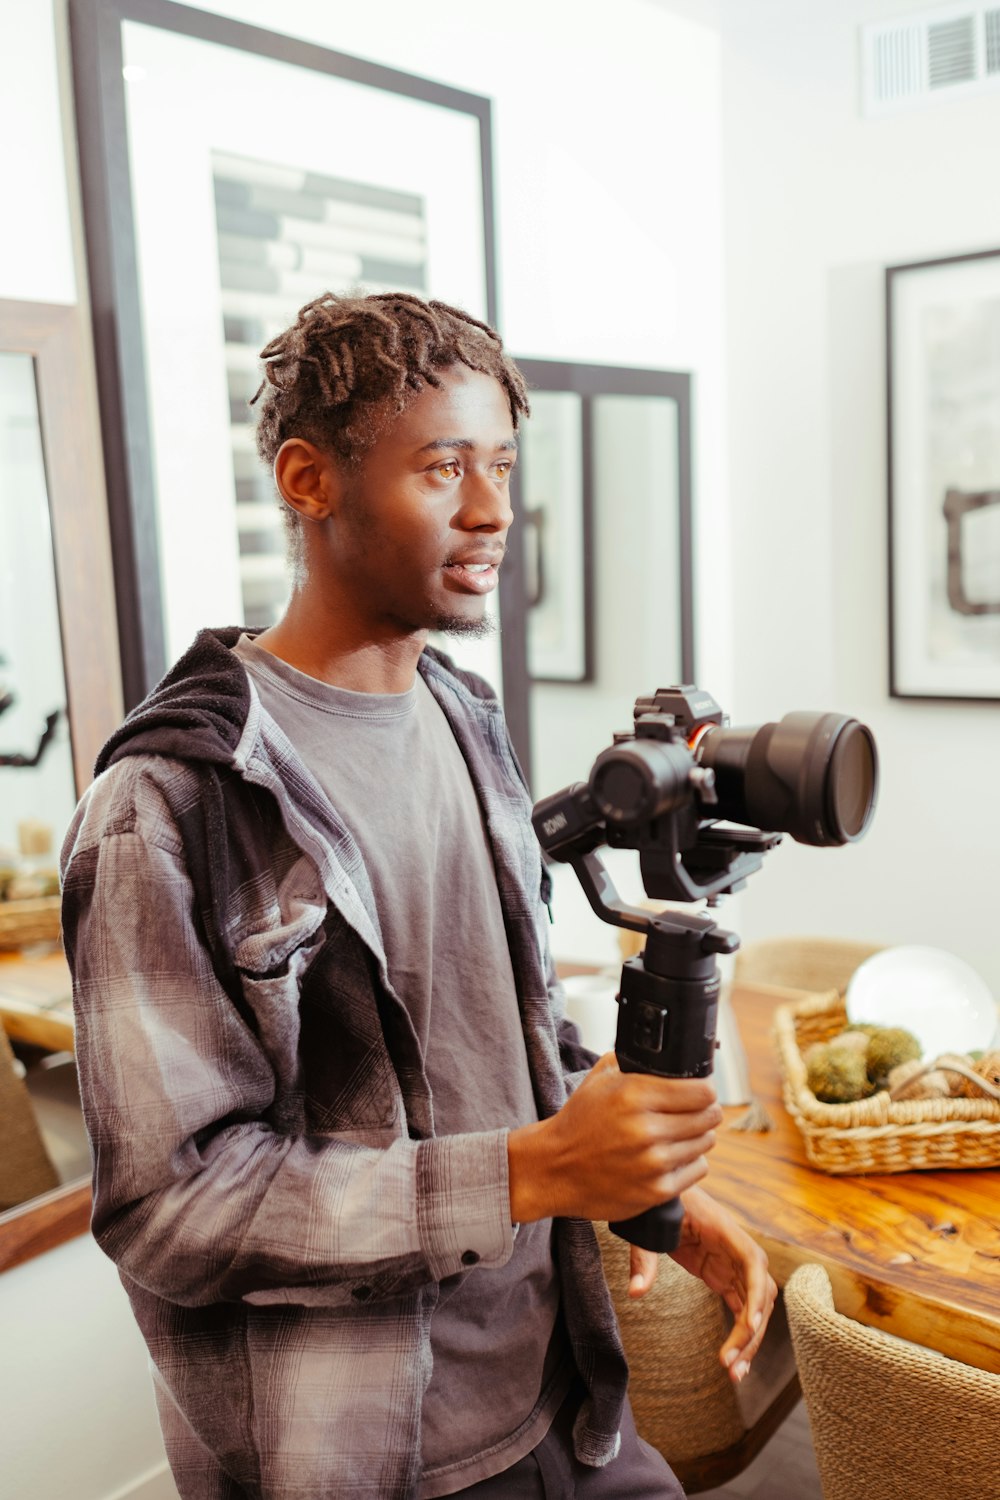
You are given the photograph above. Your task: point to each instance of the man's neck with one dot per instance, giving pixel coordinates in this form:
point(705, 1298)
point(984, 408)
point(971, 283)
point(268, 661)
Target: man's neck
point(318, 644)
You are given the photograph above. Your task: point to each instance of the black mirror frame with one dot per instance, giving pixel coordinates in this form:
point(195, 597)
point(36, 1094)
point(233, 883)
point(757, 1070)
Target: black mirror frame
point(53, 336)
point(589, 381)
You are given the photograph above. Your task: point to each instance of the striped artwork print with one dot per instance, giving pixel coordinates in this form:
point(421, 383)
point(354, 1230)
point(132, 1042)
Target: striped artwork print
point(285, 236)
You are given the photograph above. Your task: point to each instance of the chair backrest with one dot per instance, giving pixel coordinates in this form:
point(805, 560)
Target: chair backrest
point(25, 1166)
point(684, 1402)
point(890, 1420)
point(802, 963)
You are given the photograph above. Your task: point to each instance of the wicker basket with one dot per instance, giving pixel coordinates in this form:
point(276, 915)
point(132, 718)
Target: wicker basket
point(876, 1134)
point(34, 920)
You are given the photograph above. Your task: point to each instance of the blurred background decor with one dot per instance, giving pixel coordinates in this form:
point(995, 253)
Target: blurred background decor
point(944, 476)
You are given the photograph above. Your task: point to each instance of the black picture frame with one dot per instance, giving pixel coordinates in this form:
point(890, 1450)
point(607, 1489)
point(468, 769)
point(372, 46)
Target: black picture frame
point(114, 254)
point(589, 383)
point(943, 477)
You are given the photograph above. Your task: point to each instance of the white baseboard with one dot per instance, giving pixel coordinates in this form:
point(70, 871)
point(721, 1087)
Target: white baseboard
point(155, 1484)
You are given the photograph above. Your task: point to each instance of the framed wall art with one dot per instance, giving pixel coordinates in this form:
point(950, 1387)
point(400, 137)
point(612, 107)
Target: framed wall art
point(598, 433)
point(603, 554)
point(230, 175)
point(943, 346)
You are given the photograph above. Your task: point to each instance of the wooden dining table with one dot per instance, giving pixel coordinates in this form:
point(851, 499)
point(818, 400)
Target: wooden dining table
point(916, 1254)
point(36, 1005)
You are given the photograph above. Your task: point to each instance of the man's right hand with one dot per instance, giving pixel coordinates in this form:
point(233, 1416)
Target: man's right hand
point(621, 1143)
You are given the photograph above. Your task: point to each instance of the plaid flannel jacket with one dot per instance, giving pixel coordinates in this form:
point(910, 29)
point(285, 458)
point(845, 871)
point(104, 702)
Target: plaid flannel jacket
point(266, 1173)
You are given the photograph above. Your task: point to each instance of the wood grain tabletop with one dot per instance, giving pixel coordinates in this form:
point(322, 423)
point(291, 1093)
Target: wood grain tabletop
point(914, 1253)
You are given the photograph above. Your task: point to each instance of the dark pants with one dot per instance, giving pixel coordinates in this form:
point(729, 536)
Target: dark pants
point(551, 1471)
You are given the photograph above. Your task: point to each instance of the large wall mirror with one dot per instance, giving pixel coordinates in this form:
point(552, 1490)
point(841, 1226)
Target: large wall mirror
point(60, 697)
point(604, 500)
point(599, 603)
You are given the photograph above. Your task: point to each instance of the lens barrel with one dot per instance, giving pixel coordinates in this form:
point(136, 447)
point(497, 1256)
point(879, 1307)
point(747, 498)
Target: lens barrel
point(812, 775)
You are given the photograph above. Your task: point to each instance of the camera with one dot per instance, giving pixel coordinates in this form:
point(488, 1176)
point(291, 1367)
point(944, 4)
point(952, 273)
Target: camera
point(702, 803)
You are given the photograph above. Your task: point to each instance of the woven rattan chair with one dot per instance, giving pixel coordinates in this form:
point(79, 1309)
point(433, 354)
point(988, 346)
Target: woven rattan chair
point(25, 1166)
point(685, 1404)
point(890, 1420)
point(801, 963)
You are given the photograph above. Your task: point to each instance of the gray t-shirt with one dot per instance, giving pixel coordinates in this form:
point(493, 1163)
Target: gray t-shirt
point(391, 766)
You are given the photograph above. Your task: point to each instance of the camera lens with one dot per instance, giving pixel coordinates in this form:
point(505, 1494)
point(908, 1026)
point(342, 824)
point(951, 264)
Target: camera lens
point(852, 781)
point(813, 775)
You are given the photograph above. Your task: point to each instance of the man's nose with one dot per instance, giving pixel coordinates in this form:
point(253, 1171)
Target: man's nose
point(485, 504)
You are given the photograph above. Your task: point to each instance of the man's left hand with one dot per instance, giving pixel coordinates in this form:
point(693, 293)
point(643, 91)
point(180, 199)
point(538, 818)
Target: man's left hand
point(714, 1247)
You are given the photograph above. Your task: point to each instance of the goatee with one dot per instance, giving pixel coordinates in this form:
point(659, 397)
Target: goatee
point(466, 626)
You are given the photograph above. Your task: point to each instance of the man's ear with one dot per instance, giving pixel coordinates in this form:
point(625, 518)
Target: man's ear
point(307, 479)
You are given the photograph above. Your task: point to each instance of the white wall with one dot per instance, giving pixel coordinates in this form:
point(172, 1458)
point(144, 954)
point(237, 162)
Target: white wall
point(608, 184)
point(36, 246)
point(79, 1420)
point(818, 201)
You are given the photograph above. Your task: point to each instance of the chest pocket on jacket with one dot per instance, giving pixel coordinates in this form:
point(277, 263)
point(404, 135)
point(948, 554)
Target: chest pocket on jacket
point(346, 1075)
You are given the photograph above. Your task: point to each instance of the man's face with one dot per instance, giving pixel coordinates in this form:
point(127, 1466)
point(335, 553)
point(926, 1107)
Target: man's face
point(420, 530)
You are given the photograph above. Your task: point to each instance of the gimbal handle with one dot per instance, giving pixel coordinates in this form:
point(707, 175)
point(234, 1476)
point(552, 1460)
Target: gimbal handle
point(667, 1010)
point(657, 1229)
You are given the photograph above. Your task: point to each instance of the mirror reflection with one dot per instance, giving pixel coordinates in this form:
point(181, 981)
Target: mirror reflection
point(556, 521)
point(41, 1130)
point(605, 494)
point(36, 768)
point(632, 606)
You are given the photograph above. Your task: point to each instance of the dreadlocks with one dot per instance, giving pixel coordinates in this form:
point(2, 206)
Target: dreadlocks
point(350, 364)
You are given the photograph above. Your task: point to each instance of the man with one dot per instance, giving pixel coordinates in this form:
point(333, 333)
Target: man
point(346, 1151)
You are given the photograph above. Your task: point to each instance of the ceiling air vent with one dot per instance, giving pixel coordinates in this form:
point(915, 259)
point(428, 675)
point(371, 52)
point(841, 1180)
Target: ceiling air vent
point(992, 28)
point(951, 52)
point(946, 53)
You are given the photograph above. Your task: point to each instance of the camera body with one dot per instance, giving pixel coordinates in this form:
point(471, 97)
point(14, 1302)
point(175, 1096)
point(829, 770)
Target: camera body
point(694, 796)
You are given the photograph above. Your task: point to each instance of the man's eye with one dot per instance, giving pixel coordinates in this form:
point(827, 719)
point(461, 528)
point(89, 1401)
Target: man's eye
point(447, 470)
point(503, 468)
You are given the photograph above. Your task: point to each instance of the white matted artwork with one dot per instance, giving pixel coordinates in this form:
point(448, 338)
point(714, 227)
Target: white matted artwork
point(361, 204)
point(944, 477)
point(283, 232)
point(238, 174)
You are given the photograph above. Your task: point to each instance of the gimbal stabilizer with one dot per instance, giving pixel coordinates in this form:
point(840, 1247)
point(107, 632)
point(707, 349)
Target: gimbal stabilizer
point(662, 791)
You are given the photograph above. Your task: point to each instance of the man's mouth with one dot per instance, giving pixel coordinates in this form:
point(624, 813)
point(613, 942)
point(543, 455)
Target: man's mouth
point(472, 577)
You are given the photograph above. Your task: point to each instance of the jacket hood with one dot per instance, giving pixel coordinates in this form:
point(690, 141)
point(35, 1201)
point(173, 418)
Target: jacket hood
point(196, 712)
point(199, 709)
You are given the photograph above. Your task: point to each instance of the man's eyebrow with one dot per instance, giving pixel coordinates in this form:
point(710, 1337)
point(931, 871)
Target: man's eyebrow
point(466, 444)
